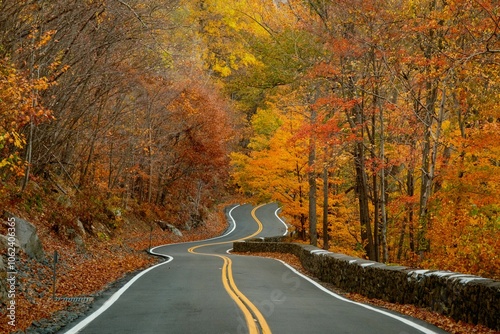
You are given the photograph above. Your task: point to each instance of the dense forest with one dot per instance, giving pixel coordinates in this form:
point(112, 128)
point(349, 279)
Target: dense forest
point(374, 124)
point(105, 100)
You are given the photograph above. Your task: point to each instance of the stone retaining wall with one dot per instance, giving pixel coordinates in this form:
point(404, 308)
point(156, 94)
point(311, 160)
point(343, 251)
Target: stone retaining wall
point(463, 297)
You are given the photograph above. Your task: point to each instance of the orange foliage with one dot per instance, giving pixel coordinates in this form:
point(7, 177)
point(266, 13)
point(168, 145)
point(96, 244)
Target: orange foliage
point(410, 89)
point(18, 107)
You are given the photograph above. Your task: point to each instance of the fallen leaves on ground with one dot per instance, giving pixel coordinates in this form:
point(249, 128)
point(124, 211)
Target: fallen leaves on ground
point(87, 272)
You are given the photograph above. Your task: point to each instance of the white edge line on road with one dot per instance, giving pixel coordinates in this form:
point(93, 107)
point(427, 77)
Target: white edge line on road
point(403, 320)
point(82, 324)
point(281, 220)
point(111, 300)
point(231, 228)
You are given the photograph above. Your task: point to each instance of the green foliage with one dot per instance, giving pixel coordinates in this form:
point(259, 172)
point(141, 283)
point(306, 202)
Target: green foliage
point(34, 203)
point(400, 100)
point(284, 57)
point(264, 124)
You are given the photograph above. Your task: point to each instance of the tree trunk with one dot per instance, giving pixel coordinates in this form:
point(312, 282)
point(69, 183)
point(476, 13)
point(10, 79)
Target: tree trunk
point(34, 104)
point(88, 162)
point(29, 155)
point(376, 207)
point(383, 212)
point(410, 208)
point(302, 218)
point(362, 192)
point(313, 220)
point(312, 194)
point(430, 160)
point(401, 238)
point(325, 207)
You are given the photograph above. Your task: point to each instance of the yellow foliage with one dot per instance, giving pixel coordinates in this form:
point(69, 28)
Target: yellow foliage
point(16, 111)
point(45, 38)
point(224, 30)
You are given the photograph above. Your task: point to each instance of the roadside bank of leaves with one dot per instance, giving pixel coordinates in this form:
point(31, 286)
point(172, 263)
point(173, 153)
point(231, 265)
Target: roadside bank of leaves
point(438, 320)
point(86, 273)
point(77, 275)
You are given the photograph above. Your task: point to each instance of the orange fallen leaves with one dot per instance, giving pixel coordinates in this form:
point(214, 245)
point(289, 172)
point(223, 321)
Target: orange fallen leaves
point(87, 273)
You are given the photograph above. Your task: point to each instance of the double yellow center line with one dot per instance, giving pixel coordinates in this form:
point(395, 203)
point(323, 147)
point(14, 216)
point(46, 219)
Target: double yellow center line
point(254, 319)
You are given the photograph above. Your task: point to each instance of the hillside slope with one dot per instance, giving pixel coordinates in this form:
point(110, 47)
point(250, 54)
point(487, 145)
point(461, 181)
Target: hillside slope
point(108, 245)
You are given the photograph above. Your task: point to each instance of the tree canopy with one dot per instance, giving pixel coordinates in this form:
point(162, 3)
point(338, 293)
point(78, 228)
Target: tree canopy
point(375, 124)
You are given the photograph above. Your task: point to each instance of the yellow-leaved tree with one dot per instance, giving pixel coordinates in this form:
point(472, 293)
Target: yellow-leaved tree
point(17, 110)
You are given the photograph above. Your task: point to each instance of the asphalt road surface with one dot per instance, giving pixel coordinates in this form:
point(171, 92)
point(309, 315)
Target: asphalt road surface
point(202, 288)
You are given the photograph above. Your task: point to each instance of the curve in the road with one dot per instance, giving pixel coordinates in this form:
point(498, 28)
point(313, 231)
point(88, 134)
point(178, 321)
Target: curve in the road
point(236, 270)
point(281, 220)
point(82, 324)
point(255, 320)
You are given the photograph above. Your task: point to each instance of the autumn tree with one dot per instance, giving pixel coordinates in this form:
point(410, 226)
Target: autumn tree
point(17, 109)
point(377, 118)
point(471, 53)
point(129, 127)
point(276, 167)
point(401, 88)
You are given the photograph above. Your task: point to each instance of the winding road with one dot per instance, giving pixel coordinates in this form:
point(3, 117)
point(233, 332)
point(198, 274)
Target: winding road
point(202, 288)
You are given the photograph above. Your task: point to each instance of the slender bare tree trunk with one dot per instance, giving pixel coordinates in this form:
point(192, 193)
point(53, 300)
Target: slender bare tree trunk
point(325, 206)
point(34, 103)
point(29, 151)
point(362, 193)
point(383, 212)
point(312, 193)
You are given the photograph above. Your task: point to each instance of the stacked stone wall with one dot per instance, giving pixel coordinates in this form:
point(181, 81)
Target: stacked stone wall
point(463, 297)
